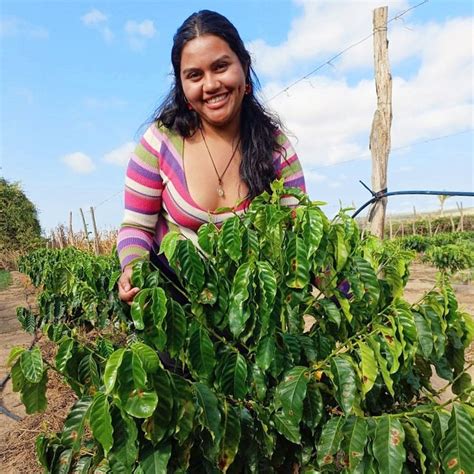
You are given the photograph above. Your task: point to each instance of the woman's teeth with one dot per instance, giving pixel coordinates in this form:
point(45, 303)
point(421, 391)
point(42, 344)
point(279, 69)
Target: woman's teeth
point(215, 99)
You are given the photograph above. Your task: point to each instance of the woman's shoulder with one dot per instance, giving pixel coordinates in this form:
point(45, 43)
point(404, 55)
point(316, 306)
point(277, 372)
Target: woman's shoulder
point(156, 133)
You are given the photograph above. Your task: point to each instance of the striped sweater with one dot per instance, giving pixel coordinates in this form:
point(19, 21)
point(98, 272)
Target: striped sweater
point(157, 199)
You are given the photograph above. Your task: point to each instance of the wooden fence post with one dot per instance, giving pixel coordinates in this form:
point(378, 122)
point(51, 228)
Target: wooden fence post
point(96, 234)
point(86, 232)
point(461, 217)
point(71, 232)
point(380, 133)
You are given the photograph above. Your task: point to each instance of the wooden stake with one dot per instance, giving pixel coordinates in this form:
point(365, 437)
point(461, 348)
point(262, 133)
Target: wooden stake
point(96, 234)
point(461, 217)
point(382, 121)
point(71, 232)
point(414, 221)
point(86, 232)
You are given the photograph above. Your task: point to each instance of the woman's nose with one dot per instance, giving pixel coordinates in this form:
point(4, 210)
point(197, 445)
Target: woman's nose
point(211, 83)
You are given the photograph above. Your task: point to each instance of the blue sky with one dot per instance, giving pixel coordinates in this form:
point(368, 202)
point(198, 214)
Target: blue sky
point(79, 78)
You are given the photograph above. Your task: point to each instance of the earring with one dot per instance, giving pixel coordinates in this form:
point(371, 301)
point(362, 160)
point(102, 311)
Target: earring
point(248, 88)
point(190, 107)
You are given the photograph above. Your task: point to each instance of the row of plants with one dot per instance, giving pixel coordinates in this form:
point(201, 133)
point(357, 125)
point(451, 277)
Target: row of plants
point(431, 225)
point(450, 252)
point(244, 387)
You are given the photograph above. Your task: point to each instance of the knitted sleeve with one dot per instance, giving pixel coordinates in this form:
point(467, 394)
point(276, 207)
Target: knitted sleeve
point(143, 188)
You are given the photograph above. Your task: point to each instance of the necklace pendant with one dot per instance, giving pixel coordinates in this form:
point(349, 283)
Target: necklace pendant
point(220, 191)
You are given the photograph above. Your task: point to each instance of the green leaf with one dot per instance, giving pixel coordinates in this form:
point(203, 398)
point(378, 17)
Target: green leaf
point(329, 441)
point(298, 262)
point(313, 228)
point(312, 406)
point(155, 459)
point(63, 462)
point(147, 355)
point(439, 427)
point(201, 353)
point(138, 372)
point(64, 354)
point(291, 392)
point(345, 380)
point(287, 427)
point(158, 425)
point(111, 369)
point(140, 403)
point(456, 447)
point(341, 251)
point(82, 465)
point(238, 314)
point(189, 265)
point(207, 234)
point(388, 447)
point(168, 244)
point(101, 421)
point(158, 306)
point(331, 311)
point(265, 353)
point(88, 372)
point(175, 328)
point(33, 395)
point(233, 379)
point(208, 413)
point(18, 379)
point(355, 439)
point(15, 352)
point(73, 430)
point(124, 451)
point(382, 363)
point(413, 443)
point(424, 335)
point(232, 238)
point(231, 432)
point(137, 309)
point(32, 365)
point(368, 367)
point(268, 287)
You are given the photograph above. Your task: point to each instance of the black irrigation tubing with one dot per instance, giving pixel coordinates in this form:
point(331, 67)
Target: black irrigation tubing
point(7, 412)
point(376, 196)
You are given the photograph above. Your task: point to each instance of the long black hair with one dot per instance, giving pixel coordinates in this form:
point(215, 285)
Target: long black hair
point(258, 127)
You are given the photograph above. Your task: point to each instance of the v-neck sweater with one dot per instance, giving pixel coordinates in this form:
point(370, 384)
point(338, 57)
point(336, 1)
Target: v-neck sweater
point(157, 199)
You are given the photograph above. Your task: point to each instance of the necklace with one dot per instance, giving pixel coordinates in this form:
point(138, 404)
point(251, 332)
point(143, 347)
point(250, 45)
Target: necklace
point(220, 188)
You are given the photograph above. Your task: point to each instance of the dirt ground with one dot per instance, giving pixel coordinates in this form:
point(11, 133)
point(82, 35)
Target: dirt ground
point(18, 431)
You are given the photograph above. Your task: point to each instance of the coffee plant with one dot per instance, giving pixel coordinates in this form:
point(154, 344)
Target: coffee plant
point(286, 347)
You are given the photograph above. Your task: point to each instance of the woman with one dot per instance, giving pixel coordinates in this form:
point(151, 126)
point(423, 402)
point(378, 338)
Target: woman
point(211, 145)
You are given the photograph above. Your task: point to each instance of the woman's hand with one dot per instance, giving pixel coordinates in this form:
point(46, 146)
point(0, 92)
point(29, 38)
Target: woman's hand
point(126, 292)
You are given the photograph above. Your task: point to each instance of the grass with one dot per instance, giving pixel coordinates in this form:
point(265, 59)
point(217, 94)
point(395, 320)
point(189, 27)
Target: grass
point(5, 279)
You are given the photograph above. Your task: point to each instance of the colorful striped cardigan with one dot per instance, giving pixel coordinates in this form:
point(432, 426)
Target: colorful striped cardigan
point(157, 199)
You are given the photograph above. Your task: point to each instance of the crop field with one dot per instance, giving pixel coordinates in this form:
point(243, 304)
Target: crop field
point(296, 332)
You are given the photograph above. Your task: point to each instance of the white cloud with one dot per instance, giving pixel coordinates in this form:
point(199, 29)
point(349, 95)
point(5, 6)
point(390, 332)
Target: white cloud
point(146, 28)
point(79, 162)
point(98, 21)
point(13, 26)
point(94, 17)
point(324, 29)
point(120, 156)
point(331, 116)
point(139, 33)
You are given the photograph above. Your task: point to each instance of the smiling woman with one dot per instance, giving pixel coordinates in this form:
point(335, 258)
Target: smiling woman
point(211, 145)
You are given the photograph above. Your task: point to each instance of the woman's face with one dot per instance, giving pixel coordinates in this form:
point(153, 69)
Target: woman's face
point(213, 80)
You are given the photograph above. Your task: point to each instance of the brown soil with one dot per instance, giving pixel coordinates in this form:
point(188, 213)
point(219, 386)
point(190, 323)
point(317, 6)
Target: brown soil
point(17, 453)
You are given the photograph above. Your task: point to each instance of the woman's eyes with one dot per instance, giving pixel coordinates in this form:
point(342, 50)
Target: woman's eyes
point(221, 66)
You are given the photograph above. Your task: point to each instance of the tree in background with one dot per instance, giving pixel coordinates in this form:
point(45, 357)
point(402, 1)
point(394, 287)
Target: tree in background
point(20, 230)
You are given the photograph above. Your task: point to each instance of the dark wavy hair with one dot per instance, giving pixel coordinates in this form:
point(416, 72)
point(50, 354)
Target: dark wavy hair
point(258, 126)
